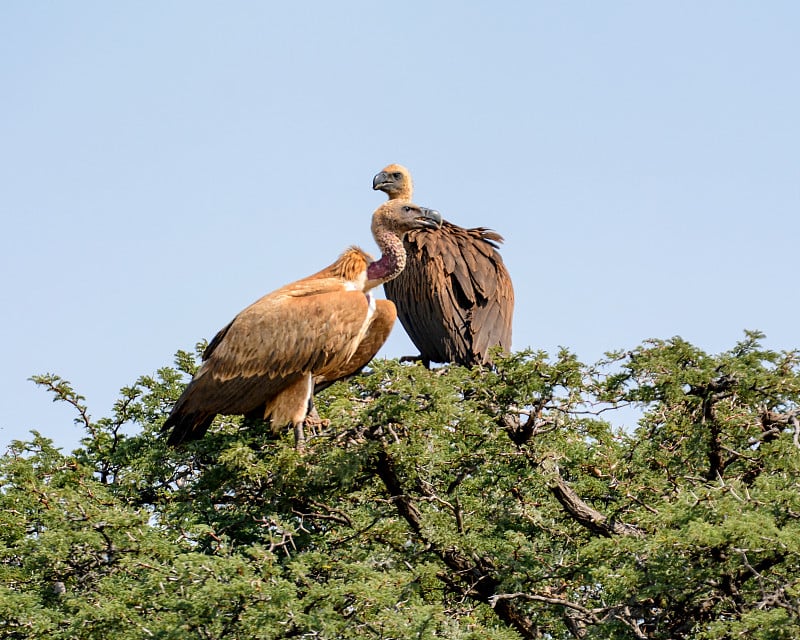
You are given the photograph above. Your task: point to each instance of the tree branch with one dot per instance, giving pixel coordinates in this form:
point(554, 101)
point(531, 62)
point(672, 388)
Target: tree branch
point(585, 515)
point(473, 578)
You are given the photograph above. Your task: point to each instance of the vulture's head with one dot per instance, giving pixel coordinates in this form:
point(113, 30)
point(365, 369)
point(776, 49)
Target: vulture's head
point(395, 182)
point(390, 223)
point(399, 217)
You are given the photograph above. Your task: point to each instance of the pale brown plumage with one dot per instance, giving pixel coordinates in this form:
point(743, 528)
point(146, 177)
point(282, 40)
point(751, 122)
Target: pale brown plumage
point(455, 298)
point(318, 329)
point(379, 329)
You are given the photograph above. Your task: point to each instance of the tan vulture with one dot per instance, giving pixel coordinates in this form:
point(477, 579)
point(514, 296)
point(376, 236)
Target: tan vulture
point(265, 363)
point(454, 298)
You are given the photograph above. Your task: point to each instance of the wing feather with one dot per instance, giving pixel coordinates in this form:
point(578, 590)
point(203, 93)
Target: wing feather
point(455, 298)
point(281, 334)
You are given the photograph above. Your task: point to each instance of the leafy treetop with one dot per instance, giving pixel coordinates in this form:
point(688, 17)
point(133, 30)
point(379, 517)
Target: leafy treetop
point(450, 503)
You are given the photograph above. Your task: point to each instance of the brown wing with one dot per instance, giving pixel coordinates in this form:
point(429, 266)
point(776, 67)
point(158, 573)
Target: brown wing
point(455, 298)
point(267, 348)
point(380, 327)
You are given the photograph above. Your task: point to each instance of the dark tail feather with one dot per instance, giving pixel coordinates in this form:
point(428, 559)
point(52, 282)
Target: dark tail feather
point(186, 428)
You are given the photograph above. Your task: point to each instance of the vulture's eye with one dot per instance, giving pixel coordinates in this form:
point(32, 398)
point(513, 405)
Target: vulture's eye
point(408, 209)
point(397, 176)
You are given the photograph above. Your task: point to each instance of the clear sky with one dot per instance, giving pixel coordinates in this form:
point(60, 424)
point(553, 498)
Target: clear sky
point(164, 164)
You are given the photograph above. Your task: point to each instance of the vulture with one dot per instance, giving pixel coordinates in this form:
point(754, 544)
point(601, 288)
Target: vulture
point(267, 360)
point(454, 298)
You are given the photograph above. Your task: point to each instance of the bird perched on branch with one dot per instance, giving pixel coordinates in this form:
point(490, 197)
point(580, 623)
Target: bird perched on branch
point(265, 363)
point(454, 298)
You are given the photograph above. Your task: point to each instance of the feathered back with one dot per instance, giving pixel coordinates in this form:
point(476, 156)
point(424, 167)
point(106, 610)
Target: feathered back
point(454, 298)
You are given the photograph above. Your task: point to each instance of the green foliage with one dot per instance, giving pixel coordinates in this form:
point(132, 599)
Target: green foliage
point(451, 503)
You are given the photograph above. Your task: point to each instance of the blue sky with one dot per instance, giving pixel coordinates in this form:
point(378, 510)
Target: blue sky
point(162, 165)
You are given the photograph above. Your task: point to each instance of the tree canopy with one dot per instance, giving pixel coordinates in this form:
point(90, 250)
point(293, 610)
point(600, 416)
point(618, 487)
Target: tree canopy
point(458, 503)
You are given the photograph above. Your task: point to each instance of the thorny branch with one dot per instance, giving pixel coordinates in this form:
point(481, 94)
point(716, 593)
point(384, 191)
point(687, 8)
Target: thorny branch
point(773, 421)
point(584, 615)
point(472, 576)
point(585, 515)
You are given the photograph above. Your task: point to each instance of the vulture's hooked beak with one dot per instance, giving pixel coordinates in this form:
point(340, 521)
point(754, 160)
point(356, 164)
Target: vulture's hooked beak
point(381, 180)
point(430, 218)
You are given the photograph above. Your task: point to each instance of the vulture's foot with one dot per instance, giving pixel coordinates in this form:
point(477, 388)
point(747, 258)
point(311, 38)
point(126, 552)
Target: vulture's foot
point(313, 422)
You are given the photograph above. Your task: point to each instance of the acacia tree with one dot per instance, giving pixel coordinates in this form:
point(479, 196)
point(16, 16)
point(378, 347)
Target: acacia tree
point(450, 503)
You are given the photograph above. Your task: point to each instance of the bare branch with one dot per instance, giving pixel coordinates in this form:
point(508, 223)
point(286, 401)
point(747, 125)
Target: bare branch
point(584, 514)
point(589, 614)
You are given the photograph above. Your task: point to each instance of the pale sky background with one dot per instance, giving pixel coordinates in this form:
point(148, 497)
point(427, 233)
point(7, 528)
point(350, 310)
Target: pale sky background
point(164, 164)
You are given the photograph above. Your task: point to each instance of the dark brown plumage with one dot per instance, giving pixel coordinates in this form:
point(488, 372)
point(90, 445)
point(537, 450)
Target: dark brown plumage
point(265, 362)
point(455, 298)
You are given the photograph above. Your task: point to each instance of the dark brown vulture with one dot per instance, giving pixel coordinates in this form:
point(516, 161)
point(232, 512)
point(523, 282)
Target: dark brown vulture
point(265, 363)
point(454, 298)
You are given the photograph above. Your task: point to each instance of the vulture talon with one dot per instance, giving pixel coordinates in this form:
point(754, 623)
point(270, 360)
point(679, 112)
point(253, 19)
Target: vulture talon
point(313, 422)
